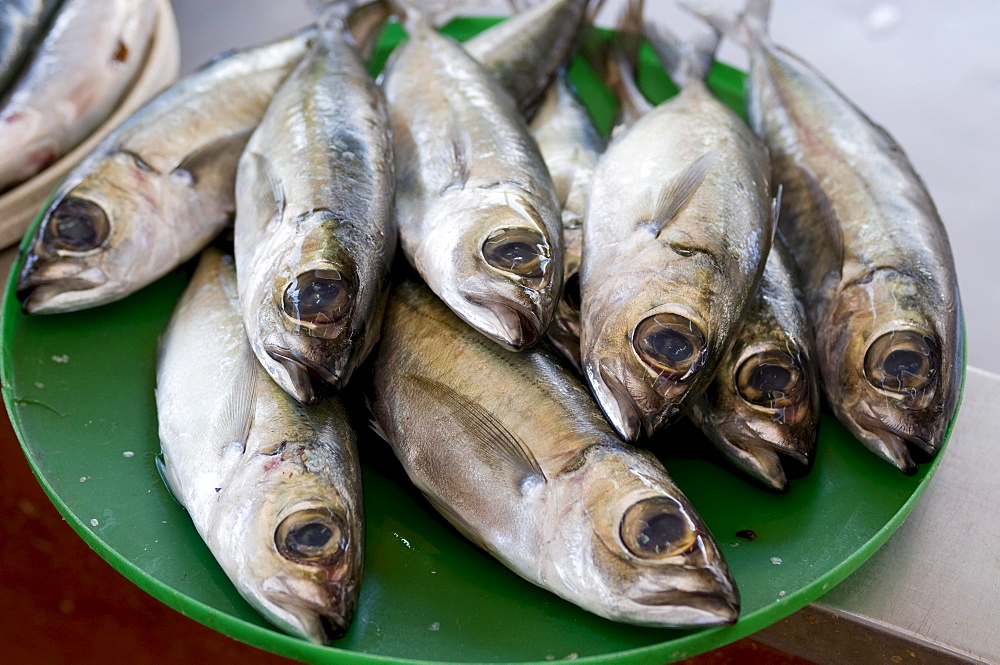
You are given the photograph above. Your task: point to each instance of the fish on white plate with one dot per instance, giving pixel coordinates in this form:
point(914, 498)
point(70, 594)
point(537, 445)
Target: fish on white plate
point(677, 231)
point(477, 212)
point(314, 230)
point(273, 487)
point(84, 66)
point(158, 188)
point(22, 22)
point(878, 274)
point(512, 450)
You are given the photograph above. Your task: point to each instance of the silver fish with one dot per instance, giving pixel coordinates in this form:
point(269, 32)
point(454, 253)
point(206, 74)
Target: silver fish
point(273, 487)
point(570, 145)
point(676, 235)
point(81, 70)
point(524, 52)
point(156, 189)
point(512, 450)
point(764, 402)
point(21, 23)
point(477, 212)
point(314, 232)
point(879, 277)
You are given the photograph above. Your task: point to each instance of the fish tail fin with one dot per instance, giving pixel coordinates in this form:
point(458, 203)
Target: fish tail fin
point(745, 27)
point(621, 63)
point(684, 61)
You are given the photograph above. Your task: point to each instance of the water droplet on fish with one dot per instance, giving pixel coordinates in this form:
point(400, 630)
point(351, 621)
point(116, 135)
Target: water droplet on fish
point(883, 19)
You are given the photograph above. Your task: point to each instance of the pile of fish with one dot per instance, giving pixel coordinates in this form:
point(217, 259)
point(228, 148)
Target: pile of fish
point(683, 267)
point(64, 67)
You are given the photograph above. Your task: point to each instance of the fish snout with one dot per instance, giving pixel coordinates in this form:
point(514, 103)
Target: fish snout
point(300, 374)
point(41, 283)
point(616, 402)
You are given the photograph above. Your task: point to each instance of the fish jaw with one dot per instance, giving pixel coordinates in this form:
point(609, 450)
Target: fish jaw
point(297, 608)
point(45, 287)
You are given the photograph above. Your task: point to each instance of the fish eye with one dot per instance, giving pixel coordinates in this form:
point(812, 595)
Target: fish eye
point(657, 528)
point(772, 379)
point(311, 536)
point(77, 225)
point(902, 361)
point(319, 297)
point(571, 292)
point(669, 343)
point(520, 251)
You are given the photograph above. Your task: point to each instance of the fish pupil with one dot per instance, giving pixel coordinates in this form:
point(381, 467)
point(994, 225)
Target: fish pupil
point(318, 296)
point(671, 344)
point(770, 378)
point(310, 536)
point(78, 225)
point(660, 531)
point(520, 251)
point(902, 362)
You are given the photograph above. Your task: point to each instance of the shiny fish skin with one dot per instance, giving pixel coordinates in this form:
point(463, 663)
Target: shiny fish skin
point(314, 234)
point(675, 239)
point(879, 277)
point(84, 66)
point(161, 183)
point(764, 401)
point(257, 471)
point(477, 212)
point(570, 145)
point(524, 52)
point(21, 23)
point(511, 449)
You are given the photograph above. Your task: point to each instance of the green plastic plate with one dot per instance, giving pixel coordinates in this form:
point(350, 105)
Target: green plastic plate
point(79, 390)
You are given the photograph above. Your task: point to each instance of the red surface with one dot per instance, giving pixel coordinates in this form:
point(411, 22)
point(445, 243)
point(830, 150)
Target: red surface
point(61, 603)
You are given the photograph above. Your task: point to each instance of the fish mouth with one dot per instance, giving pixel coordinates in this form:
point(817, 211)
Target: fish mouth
point(39, 293)
point(618, 405)
point(769, 461)
point(893, 442)
point(511, 324)
point(318, 622)
point(693, 608)
point(301, 374)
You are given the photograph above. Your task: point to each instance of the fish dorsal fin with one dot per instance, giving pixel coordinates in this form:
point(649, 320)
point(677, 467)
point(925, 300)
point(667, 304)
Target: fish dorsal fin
point(459, 155)
point(491, 441)
point(236, 417)
point(221, 153)
point(269, 197)
point(677, 193)
point(823, 207)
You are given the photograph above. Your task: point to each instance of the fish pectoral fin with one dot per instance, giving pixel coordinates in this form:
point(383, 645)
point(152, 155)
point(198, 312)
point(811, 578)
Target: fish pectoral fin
point(161, 468)
point(827, 214)
point(236, 418)
point(459, 156)
point(222, 153)
point(269, 195)
point(489, 438)
point(676, 194)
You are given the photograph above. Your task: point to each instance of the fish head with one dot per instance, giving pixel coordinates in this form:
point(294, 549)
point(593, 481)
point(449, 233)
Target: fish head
point(295, 547)
point(500, 276)
point(765, 402)
point(644, 360)
point(890, 364)
point(85, 251)
point(631, 547)
point(309, 324)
